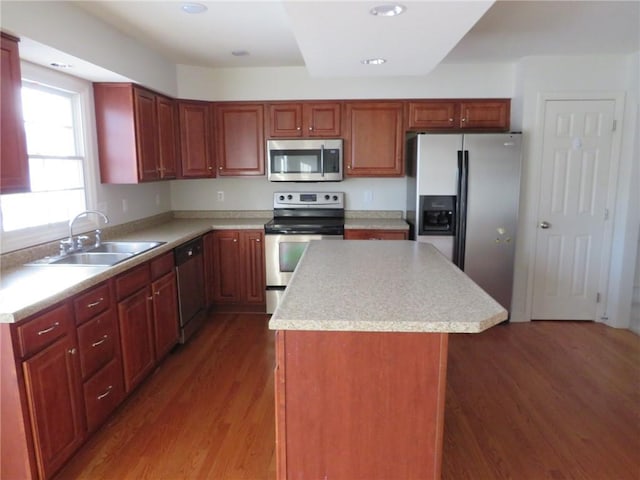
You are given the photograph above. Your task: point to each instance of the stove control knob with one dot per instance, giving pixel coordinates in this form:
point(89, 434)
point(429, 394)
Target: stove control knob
point(281, 197)
point(289, 197)
point(335, 198)
point(326, 197)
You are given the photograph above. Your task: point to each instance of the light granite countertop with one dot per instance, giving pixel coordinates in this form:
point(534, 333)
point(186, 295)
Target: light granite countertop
point(390, 286)
point(26, 290)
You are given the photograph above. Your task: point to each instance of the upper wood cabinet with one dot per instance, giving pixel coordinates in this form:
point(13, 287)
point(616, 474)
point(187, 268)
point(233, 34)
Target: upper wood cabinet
point(304, 119)
point(239, 138)
point(374, 139)
point(14, 163)
point(137, 133)
point(195, 140)
point(476, 115)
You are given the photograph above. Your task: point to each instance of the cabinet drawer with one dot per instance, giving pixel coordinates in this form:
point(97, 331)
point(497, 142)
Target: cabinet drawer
point(162, 265)
point(375, 234)
point(132, 281)
point(97, 341)
point(44, 329)
point(102, 394)
point(88, 305)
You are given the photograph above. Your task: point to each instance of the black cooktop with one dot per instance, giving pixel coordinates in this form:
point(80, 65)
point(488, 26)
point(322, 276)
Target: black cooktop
point(305, 225)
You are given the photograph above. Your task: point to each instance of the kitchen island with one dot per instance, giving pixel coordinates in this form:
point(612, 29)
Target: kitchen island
point(361, 352)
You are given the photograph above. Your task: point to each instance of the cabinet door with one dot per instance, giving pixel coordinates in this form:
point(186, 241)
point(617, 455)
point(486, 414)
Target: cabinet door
point(366, 234)
point(374, 139)
point(165, 314)
point(167, 114)
point(285, 120)
point(322, 119)
point(136, 337)
point(491, 115)
point(146, 134)
point(210, 267)
point(240, 139)
point(228, 271)
point(433, 115)
point(14, 164)
point(254, 275)
point(52, 381)
point(195, 140)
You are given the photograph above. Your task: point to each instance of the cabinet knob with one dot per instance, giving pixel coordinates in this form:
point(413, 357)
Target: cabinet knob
point(298, 128)
point(235, 240)
point(219, 168)
point(463, 120)
point(72, 351)
point(150, 298)
point(257, 240)
point(210, 168)
point(451, 120)
point(310, 129)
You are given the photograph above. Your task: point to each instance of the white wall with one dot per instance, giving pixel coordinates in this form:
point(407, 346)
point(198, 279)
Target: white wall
point(572, 76)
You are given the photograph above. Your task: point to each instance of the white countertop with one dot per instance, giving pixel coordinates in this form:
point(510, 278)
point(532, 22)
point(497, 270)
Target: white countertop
point(389, 286)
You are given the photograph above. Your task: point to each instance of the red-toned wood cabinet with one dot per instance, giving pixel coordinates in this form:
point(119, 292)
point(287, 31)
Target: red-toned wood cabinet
point(14, 163)
point(137, 133)
point(377, 408)
point(304, 119)
point(235, 263)
point(196, 159)
point(491, 115)
point(374, 139)
point(239, 138)
point(375, 234)
point(164, 290)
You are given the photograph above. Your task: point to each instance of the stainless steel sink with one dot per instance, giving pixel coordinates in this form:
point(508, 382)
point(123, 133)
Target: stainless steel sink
point(124, 247)
point(91, 258)
point(104, 255)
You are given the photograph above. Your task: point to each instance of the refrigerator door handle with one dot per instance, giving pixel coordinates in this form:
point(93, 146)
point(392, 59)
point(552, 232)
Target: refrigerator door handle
point(462, 209)
point(458, 213)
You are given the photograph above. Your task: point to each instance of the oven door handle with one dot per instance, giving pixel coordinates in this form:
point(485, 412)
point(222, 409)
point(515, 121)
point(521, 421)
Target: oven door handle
point(322, 160)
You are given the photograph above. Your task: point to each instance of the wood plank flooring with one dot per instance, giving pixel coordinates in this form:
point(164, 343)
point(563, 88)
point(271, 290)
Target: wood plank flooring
point(545, 400)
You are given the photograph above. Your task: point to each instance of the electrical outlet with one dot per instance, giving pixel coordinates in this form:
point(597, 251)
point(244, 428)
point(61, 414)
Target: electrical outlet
point(125, 205)
point(221, 196)
point(368, 196)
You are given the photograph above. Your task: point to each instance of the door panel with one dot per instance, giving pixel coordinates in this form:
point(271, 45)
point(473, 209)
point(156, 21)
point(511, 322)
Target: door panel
point(576, 155)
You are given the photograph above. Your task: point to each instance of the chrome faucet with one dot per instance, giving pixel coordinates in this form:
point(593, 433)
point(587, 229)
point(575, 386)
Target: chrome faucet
point(70, 244)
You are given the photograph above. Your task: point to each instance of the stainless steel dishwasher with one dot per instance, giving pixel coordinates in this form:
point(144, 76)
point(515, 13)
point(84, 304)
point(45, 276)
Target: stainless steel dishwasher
point(191, 299)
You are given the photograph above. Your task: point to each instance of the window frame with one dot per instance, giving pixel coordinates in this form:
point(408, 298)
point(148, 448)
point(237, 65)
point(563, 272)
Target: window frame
point(82, 92)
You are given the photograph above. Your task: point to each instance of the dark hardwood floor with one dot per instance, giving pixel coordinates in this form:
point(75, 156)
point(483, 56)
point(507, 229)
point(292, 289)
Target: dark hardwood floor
point(545, 400)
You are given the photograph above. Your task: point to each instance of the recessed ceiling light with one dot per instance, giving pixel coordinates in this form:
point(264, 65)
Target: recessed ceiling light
point(389, 10)
point(240, 53)
point(60, 65)
point(373, 61)
point(193, 8)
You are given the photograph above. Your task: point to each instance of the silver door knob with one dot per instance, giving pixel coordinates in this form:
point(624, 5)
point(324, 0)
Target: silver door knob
point(545, 225)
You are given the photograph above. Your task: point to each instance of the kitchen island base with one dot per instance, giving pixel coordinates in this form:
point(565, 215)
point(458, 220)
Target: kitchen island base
point(359, 405)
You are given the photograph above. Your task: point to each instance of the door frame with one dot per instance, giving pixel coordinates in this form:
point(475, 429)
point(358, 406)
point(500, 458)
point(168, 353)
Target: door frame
point(535, 172)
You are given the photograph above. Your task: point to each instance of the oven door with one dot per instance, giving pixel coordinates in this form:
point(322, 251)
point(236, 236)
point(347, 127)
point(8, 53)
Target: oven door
point(282, 253)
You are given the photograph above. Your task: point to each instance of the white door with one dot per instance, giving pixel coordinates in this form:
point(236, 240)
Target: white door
point(576, 158)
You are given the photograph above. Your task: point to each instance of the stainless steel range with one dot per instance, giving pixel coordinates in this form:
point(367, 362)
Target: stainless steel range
point(298, 218)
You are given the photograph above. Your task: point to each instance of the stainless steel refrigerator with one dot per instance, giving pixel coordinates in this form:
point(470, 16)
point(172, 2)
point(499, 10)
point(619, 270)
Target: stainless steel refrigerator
point(462, 195)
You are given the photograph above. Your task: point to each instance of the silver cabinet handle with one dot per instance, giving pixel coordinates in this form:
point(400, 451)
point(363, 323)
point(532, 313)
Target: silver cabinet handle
point(100, 342)
point(96, 303)
point(50, 329)
point(544, 225)
point(107, 392)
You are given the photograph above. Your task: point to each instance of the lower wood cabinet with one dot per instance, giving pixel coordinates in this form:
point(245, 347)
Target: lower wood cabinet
point(165, 313)
point(368, 234)
point(234, 264)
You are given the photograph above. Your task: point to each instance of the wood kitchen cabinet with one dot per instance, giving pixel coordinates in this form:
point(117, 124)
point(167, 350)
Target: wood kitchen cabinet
point(99, 349)
point(374, 139)
point(304, 119)
point(239, 138)
point(137, 133)
point(370, 234)
point(53, 387)
point(14, 163)
point(165, 304)
point(476, 115)
point(135, 318)
point(196, 159)
point(236, 266)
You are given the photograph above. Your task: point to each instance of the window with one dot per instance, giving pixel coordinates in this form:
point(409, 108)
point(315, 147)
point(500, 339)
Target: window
point(53, 119)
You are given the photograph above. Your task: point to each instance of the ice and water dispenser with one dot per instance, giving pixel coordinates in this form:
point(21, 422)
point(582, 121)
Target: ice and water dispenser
point(437, 215)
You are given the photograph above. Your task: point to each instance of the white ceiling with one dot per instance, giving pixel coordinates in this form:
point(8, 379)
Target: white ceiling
point(331, 37)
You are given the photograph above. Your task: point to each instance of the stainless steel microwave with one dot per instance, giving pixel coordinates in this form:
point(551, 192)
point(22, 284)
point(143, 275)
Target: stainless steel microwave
point(310, 160)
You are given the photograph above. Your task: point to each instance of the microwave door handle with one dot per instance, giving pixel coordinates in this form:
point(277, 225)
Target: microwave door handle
point(322, 160)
